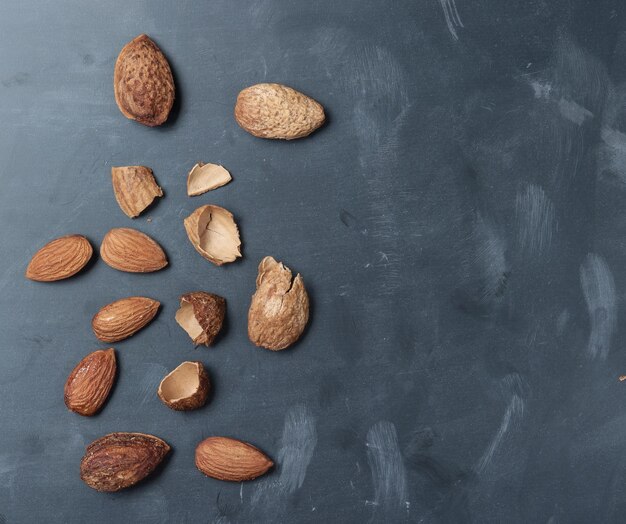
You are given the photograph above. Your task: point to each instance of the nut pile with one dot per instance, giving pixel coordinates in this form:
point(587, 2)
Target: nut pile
point(279, 309)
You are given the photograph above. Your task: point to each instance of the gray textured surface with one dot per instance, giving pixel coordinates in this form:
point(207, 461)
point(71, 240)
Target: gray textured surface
point(459, 224)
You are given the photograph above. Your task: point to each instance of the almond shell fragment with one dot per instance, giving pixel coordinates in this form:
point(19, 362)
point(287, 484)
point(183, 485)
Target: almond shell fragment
point(206, 177)
point(279, 310)
point(185, 388)
point(201, 315)
point(135, 188)
point(214, 234)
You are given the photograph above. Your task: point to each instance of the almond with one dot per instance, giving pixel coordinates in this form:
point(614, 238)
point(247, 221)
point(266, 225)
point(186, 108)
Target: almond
point(201, 315)
point(90, 382)
point(205, 177)
point(135, 188)
point(130, 250)
point(123, 318)
point(185, 388)
point(213, 232)
point(228, 459)
point(143, 83)
point(120, 460)
point(277, 111)
point(279, 310)
point(60, 258)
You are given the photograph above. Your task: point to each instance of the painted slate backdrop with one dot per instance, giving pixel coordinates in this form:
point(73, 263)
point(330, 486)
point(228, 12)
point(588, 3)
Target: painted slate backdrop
point(459, 224)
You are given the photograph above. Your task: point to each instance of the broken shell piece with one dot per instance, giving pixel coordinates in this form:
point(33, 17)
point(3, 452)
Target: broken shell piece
point(279, 310)
point(213, 232)
point(135, 188)
point(185, 388)
point(201, 315)
point(205, 177)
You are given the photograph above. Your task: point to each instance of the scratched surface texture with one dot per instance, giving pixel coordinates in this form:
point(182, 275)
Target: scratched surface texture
point(459, 223)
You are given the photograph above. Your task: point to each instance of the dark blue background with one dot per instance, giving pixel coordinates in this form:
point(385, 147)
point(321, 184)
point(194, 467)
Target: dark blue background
point(459, 224)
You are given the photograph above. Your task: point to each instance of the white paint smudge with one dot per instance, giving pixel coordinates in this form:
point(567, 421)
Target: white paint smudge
point(386, 464)
point(541, 90)
point(150, 381)
point(573, 112)
point(297, 446)
point(613, 152)
point(535, 219)
point(598, 286)
point(512, 415)
point(562, 321)
point(490, 258)
point(453, 20)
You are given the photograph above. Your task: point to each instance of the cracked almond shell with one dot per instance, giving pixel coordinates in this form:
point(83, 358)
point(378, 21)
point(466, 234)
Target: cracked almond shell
point(143, 82)
point(60, 258)
point(201, 315)
point(279, 310)
point(90, 382)
point(206, 177)
point(229, 459)
point(277, 111)
point(120, 460)
point(123, 318)
point(213, 233)
point(185, 388)
point(129, 250)
point(135, 188)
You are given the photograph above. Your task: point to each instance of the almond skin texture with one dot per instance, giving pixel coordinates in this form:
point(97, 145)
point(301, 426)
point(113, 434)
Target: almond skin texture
point(135, 188)
point(185, 388)
point(214, 234)
point(277, 111)
point(143, 82)
point(129, 250)
point(123, 318)
point(60, 258)
point(279, 310)
point(89, 384)
point(201, 315)
point(120, 460)
point(225, 458)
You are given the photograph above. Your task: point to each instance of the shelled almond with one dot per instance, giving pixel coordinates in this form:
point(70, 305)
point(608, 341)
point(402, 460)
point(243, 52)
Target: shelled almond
point(229, 459)
point(90, 382)
point(60, 258)
point(129, 250)
point(123, 318)
point(120, 460)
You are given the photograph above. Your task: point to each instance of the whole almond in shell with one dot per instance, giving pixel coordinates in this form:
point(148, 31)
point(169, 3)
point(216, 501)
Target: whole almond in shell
point(225, 458)
point(90, 382)
point(214, 234)
point(279, 310)
point(201, 315)
point(185, 388)
point(123, 318)
point(143, 82)
point(120, 460)
point(129, 250)
point(135, 188)
point(277, 111)
point(60, 258)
